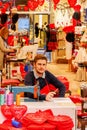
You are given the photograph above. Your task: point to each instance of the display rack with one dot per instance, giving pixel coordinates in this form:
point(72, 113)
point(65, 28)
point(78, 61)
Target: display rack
point(61, 57)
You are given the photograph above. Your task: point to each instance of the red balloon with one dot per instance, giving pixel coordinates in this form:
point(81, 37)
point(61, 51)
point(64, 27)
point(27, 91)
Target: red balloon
point(18, 7)
point(72, 2)
point(41, 2)
point(6, 111)
point(36, 3)
point(31, 5)
point(55, 6)
point(6, 5)
point(56, 1)
point(18, 111)
point(25, 8)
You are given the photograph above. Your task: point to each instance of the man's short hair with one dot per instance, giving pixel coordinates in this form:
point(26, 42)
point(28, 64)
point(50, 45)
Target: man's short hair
point(39, 57)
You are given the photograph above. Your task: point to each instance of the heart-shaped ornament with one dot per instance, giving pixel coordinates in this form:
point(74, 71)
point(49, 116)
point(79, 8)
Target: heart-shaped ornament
point(6, 111)
point(18, 111)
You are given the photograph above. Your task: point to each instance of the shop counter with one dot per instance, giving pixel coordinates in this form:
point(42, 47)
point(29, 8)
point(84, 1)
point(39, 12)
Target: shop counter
point(59, 106)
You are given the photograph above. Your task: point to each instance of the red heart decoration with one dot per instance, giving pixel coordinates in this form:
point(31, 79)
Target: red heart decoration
point(25, 8)
point(37, 118)
point(72, 2)
point(6, 111)
point(41, 2)
point(0, 3)
point(56, 1)
point(36, 2)
point(7, 122)
point(18, 111)
point(31, 5)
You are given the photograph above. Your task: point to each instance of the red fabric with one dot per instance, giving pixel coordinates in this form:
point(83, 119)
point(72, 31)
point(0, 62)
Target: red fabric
point(13, 128)
point(25, 122)
point(65, 81)
point(11, 40)
point(77, 7)
point(72, 2)
point(10, 81)
point(76, 22)
point(47, 113)
point(63, 122)
point(45, 90)
point(14, 72)
point(68, 29)
point(8, 122)
point(52, 41)
point(37, 118)
point(22, 68)
point(52, 45)
point(44, 126)
point(76, 98)
point(23, 73)
point(52, 26)
point(44, 115)
point(81, 114)
point(48, 88)
point(4, 127)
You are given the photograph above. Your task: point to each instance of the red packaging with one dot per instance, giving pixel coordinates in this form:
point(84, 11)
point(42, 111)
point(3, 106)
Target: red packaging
point(45, 126)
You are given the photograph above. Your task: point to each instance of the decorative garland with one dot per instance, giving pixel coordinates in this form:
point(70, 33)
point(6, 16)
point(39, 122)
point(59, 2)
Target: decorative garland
point(31, 4)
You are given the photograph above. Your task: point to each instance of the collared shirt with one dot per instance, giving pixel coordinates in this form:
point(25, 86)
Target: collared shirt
point(36, 76)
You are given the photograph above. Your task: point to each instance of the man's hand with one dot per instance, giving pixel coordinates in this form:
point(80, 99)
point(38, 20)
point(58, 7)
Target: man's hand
point(50, 95)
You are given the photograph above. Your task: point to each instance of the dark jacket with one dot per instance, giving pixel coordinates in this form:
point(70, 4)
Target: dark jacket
point(36, 31)
point(49, 79)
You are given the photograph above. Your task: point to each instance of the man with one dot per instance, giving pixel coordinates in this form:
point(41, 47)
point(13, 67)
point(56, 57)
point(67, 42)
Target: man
point(45, 78)
point(36, 30)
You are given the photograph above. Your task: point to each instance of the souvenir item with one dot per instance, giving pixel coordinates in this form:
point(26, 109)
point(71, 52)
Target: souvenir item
point(18, 111)
point(5, 109)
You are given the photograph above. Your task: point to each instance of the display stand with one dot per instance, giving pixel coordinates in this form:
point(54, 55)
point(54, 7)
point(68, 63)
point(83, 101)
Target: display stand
point(59, 106)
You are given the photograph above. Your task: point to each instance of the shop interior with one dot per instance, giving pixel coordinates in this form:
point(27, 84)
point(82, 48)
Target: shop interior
point(67, 21)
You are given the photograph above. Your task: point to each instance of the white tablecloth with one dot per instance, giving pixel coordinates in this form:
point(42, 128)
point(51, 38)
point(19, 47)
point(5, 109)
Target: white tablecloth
point(63, 106)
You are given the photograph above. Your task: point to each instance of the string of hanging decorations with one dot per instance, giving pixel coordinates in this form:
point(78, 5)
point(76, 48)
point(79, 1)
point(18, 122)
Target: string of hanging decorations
point(31, 5)
point(34, 4)
point(70, 2)
point(9, 7)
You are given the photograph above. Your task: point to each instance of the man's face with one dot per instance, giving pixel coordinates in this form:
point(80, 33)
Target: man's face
point(40, 66)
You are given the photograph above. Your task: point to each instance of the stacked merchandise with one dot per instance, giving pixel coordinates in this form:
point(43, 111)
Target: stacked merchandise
point(33, 121)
